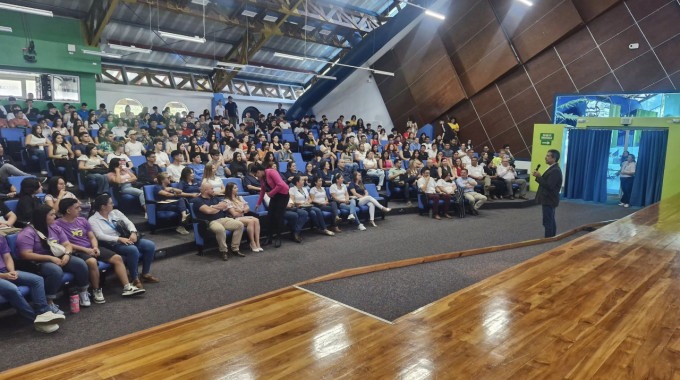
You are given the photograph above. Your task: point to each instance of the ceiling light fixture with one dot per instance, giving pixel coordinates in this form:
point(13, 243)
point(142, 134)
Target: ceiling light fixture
point(326, 77)
point(427, 11)
point(288, 56)
point(200, 40)
point(270, 18)
point(102, 54)
point(297, 58)
point(19, 8)
point(248, 13)
point(5, 29)
point(199, 67)
point(324, 32)
point(308, 28)
point(131, 48)
point(229, 64)
point(526, 2)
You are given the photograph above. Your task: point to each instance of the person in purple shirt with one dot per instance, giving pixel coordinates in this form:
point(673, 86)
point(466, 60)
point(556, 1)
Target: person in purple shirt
point(277, 190)
point(86, 246)
point(34, 248)
point(43, 319)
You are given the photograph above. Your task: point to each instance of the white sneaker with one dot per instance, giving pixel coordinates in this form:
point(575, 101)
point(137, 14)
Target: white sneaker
point(48, 318)
point(181, 230)
point(626, 205)
point(84, 299)
point(47, 328)
point(131, 290)
point(99, 296)
point(361, 227)
point(378, 188)
point(350, 217)
point(621, 204)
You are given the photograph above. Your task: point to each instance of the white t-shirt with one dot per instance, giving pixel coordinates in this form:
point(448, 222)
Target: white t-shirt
point(215, 182)
point(162, 159)
point(122, 157)
point(475, 171)
point(284, 125)
point(174, 171)
point(90, 163)
point(119, 131)
point(219, 110)
point(429, 185)
point(448, 187)
point(320, 196)
point(299, 195)
point(338, 193)
point(134, 148)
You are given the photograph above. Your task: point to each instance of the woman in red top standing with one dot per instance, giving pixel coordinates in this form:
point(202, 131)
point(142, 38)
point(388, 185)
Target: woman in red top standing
point(277, 190)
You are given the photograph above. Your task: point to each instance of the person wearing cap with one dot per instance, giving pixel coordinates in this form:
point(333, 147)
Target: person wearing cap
point(134, 147)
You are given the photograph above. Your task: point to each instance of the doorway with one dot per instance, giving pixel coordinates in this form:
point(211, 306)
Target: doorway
point(623, 140)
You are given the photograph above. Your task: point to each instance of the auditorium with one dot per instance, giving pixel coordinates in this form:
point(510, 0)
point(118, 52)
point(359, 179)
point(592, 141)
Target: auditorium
point(339, 189)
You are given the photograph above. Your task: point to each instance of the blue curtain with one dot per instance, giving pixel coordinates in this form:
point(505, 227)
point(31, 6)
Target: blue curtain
point(587, 160)
point(651, 162)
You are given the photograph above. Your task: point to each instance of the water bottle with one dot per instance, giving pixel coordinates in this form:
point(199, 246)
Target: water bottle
point(75, 303)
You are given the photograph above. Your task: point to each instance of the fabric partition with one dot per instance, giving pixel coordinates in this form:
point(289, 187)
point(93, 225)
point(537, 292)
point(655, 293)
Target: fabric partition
point(428, 130)
point(587, 160)
point(651, 163)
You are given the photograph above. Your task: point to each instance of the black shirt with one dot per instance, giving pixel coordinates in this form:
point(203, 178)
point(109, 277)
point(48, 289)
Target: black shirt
point(232, 109)
point(200, 201)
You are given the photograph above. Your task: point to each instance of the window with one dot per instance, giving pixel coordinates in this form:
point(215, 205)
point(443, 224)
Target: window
point(17, 84)
point(176, 107)
point(121, 105)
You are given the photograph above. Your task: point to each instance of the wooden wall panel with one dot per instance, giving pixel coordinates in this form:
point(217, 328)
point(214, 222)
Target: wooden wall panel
point(607, 83)
point(544, 65)
point(524, 104)
point(588, 68)
point(616, 50)
point(643, 8)
point(611, 23)
point(662, 25)
point(641, 73)
point(668, 54)
point(498, 62)
point(575, 46)
point(514, 83)
point(557, 83)
point(512, 137)
point(590, 9)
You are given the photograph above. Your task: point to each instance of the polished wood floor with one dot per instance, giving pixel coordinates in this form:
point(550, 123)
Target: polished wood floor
point(606, 305)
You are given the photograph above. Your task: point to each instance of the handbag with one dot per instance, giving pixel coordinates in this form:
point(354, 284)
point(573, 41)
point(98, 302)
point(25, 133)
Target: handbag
point(57, 249)
point(122, 229)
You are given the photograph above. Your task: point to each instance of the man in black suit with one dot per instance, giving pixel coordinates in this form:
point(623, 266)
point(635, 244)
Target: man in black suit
point(548, 195)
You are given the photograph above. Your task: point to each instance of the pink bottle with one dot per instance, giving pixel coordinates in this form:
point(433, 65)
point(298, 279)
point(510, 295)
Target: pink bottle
point(75, 303)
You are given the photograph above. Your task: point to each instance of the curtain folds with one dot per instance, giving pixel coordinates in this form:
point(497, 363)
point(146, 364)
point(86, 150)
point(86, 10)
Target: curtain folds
point(587, 159)
point(651, 163)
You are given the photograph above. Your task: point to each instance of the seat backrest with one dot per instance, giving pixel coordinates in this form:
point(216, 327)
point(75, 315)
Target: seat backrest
point(372, 190)
point(12, 204)
point(16, 181)
point(137, 160)
point(148, 193)
point(283, 166)
point(237, 181)
point(12, 243)
point(252, 202)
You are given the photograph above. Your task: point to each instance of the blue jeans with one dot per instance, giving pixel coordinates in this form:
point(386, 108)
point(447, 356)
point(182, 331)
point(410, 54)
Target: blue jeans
point(549, 221)
point(295, 219)
point(131, 253)
point(127, 188)
point(626, 188)
point(316, 216)
point(101, 181)
point(54, 275)
point(10, 291)
point(333, 209)
point(179, 206)
point(42, 157)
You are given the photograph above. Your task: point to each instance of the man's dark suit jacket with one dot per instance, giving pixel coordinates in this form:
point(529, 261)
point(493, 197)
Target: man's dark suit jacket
point(549, 187)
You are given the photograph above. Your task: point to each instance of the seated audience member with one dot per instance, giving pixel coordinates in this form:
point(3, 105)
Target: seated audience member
point(34, 243)
point(374, 169)
point(301, 199)
point(497, 188)
point(341, 171)
point(447, 185)
point(508, 174)
point(188, 182)
point(147, 172)
point(238, 208)
point(56, 191)
point(175, 169)
point(110, 226)
point(239, 168)
point(7, 166)
point(210, 177)
point(251, 183)
point(134, 147)
point(286, 154)
point(62, 157)
point(197, 165)
point(468, 184)
point(85, 246)
point(348, 158)
point(319, 198)
point(162, 158)
point(94, 168)
point(217, 161)
point(122, 176)
point(119, 153)
point(357, 189)
point(30, 187)
point(293, 171)
point(105, 142)
point(398, 178)
point(428, 186)
point(35, 144)
point(214, 210)
point(169, 198)
point(476, 172)
point(30, 111)
point(325, 173)
point(19, 120)
point(40, 313)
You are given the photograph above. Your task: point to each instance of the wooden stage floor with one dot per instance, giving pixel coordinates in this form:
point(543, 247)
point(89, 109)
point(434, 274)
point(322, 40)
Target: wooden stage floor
point(606, 305)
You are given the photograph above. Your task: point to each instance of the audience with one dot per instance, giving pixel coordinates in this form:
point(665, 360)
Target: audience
point(212, 209)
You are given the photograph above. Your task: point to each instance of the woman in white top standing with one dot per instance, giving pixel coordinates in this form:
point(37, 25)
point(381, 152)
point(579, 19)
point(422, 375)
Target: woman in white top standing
point(216, 182)
point(300, 196)
point(374, 168)
point(36, 143)
point(627, 176)
point(340, 195)
point(319, 198)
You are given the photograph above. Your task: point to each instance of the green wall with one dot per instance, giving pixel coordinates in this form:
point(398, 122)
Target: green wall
point(671, 175)
point(51, 37)
point(540, 147)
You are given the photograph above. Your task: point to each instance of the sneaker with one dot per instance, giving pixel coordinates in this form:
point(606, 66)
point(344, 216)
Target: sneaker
point(84, 299)
point(621, 204)
point(99, 296)
point(361, 227)
point(131, 290)
point(47, 318)
point(350, 217)
point(328, 233)
point(626, 205)
point(378, 188)
point(409, 204)
point(55, 309)
point(47, 328)
point(181, 230)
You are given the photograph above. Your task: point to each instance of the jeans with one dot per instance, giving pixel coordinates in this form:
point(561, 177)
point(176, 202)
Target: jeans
point(8, 170)
point(351, 208)
point(377, 173)
point(626, 188)
point(295, 219)
point(69, 168)
point(333, 209)
point(316, 216)
point(179, 206)
point(131, 254)
point(101, 181)
point(42, 157)
point(53, 275)
point(549, 221)
point(127, 188)
point(10, 291)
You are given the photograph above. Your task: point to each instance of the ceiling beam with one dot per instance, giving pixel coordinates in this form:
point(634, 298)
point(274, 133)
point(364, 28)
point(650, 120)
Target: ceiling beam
point(97, 18)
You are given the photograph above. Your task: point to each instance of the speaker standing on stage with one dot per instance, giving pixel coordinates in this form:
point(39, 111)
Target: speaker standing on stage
point(548, 195)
